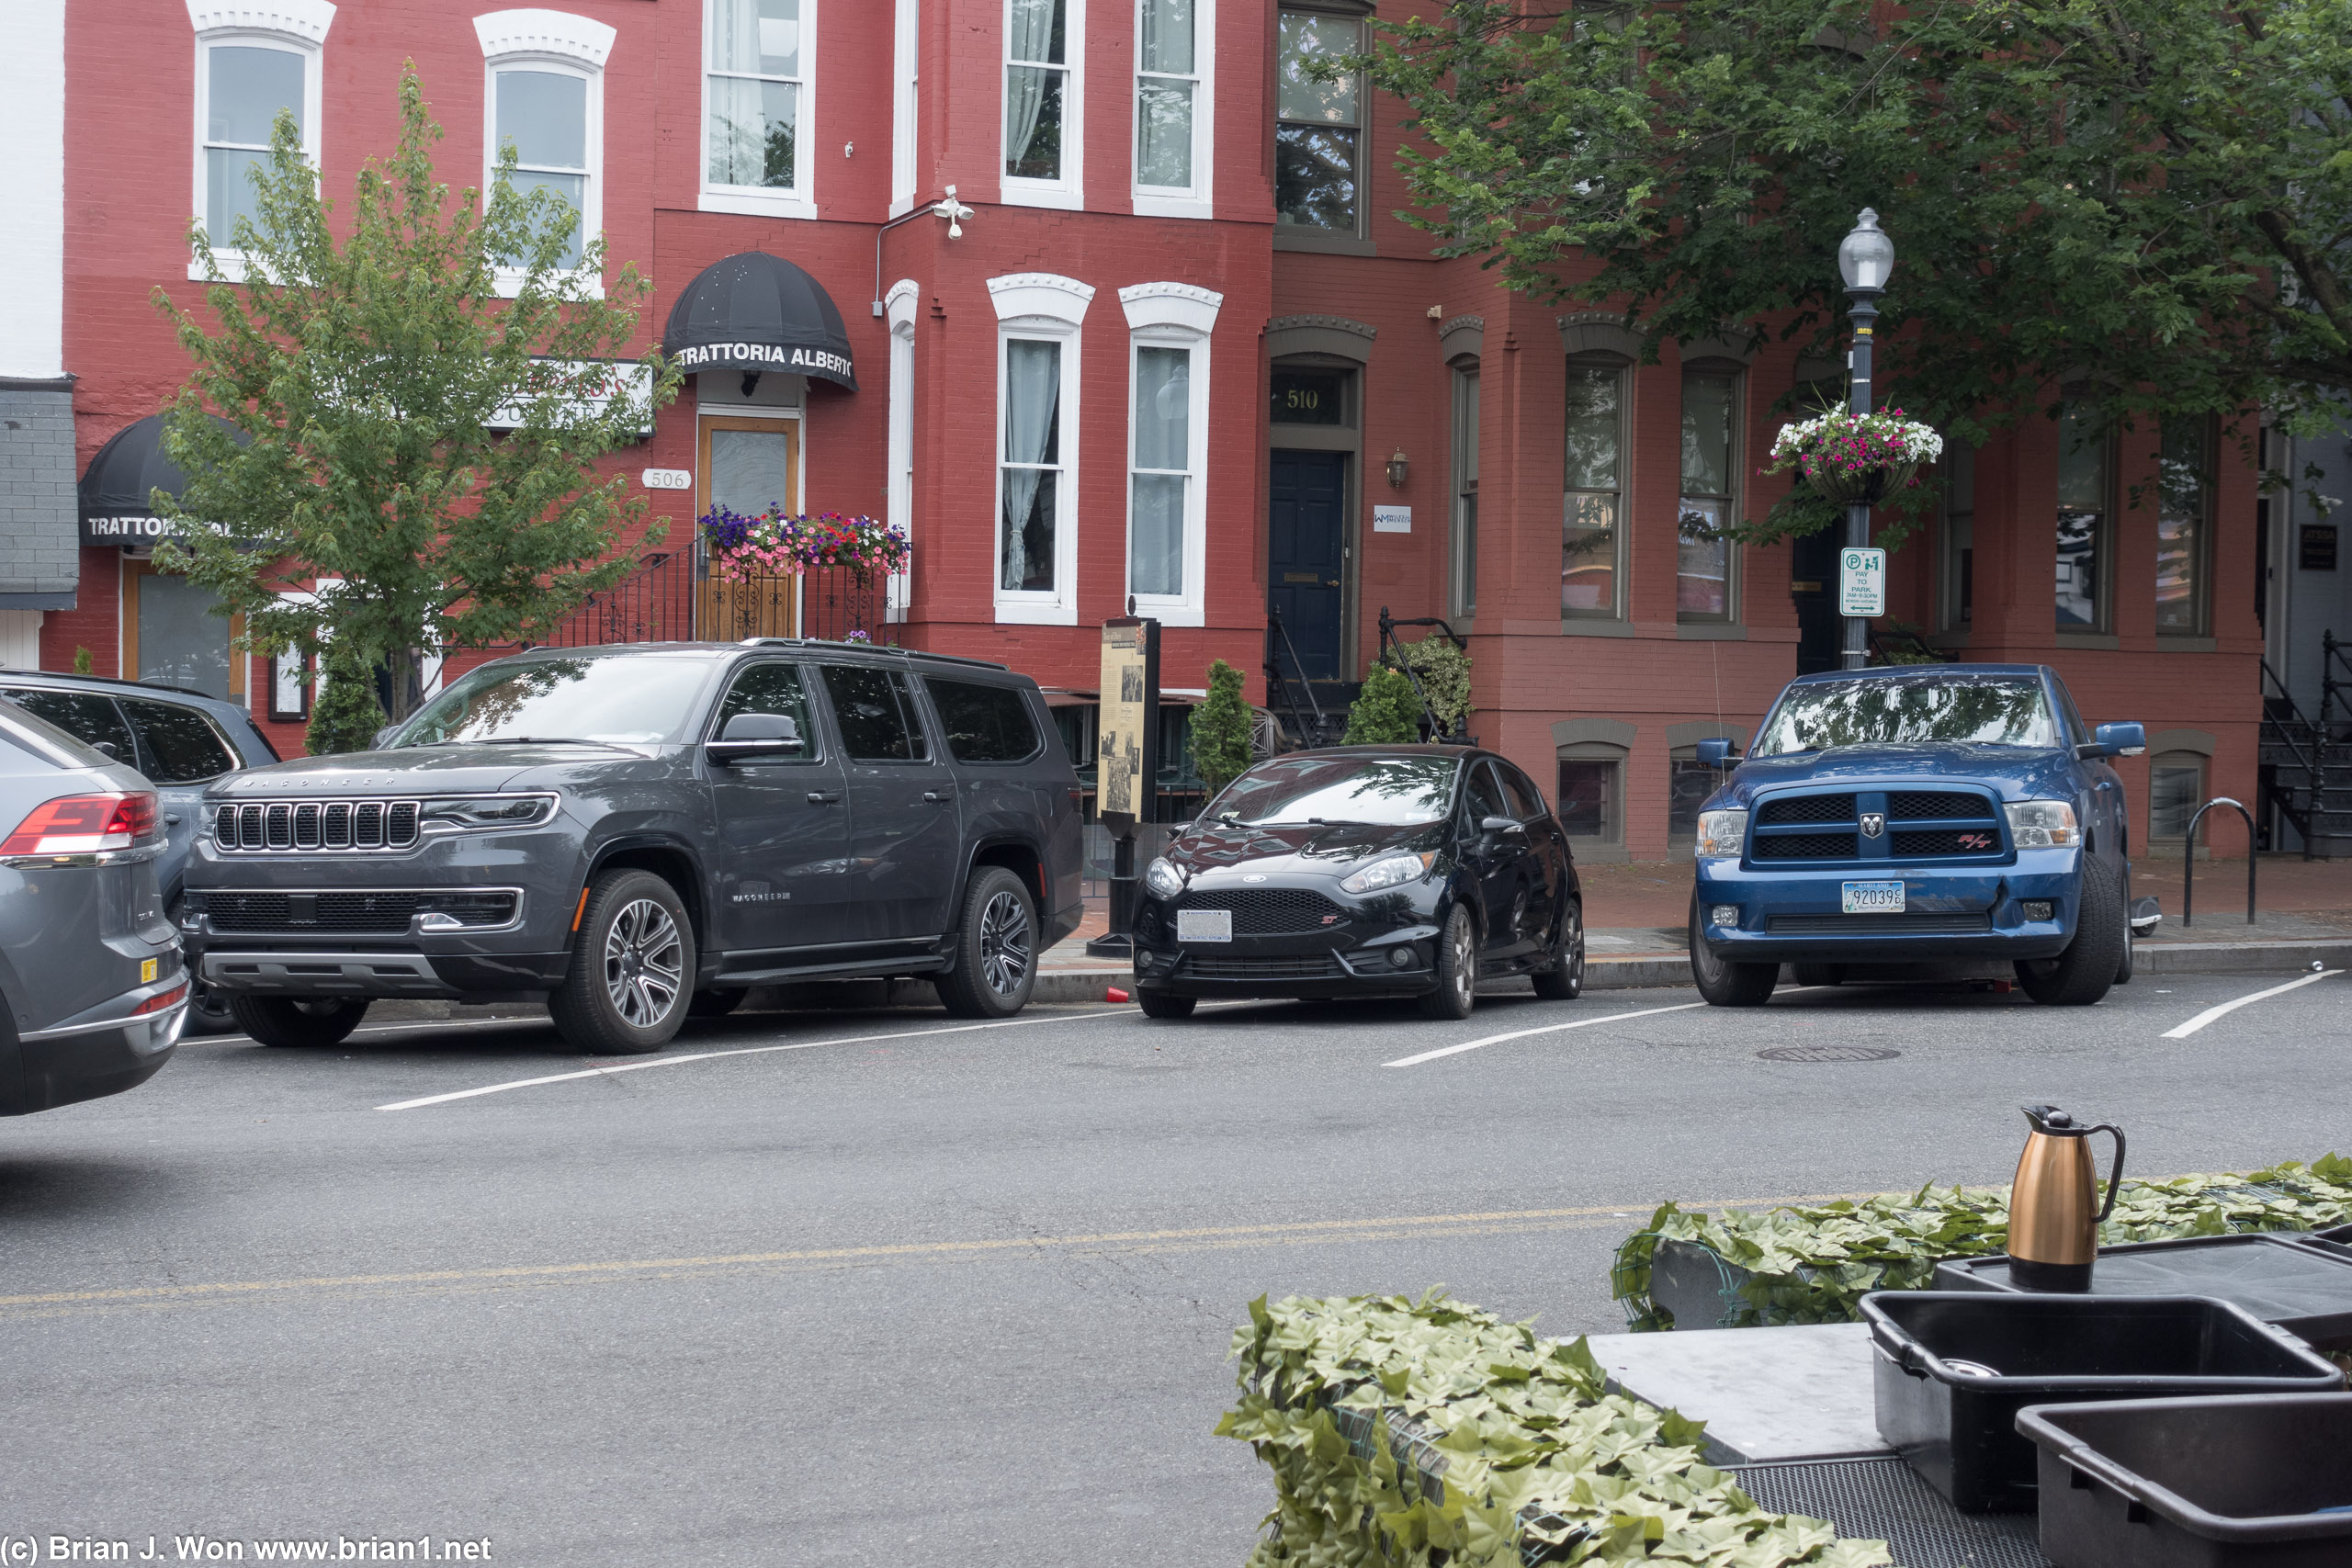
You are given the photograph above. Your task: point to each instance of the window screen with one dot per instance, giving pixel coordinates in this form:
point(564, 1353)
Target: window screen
point(176, 745)
point(985, 724)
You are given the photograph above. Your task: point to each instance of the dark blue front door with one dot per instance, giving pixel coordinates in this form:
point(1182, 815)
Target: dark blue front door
point(1307, 517)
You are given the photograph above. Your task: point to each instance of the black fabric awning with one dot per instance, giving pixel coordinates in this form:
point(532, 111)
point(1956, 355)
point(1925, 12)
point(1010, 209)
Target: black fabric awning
point(117, 490)
point(755, 311)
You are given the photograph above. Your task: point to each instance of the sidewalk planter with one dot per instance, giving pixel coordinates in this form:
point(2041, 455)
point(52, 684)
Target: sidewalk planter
point(2196, 1483)
point(1954, 1367)
point(1813, 1262)
point(1407, 1434)
point(2287, 1282)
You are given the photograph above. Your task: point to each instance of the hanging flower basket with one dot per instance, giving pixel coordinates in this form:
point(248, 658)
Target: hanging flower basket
point(1853, 459)
point(744, 549)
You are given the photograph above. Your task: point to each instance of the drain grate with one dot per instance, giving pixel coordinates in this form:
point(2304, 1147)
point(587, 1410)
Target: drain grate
point(1828, 1054)
point(1882, 1499)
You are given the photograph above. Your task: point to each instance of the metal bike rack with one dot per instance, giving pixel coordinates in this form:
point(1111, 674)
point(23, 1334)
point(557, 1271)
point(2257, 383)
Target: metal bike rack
point(2189, 859)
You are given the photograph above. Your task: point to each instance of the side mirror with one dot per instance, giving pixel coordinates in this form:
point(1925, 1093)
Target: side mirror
point(1715, 752)
point(106, 748)
point(377, 744)
point(750, 736)
point(2122, 740)
point(1498, 825)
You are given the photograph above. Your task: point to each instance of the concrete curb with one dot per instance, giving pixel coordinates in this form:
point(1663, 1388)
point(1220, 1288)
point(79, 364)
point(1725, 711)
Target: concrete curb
point(2236, 957)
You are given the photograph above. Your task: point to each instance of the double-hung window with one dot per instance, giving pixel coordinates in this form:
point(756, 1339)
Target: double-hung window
point(1038, 316)
point(1319, 126)
point(1169, 326)
point(756, 112)
point(2184, 492)
point(245, 75)
point(1593, 500)
point(1960, 537)
point(544, 103)
point(1464, 550)
point(1173, 48)
point(1043, 88)
point(2084, 519)
point(1703, 588)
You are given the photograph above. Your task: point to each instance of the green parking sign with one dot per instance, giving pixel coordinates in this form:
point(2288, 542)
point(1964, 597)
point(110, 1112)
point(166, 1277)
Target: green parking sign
point(1862, 582)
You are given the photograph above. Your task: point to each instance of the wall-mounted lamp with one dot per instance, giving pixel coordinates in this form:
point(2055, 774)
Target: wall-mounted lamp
point(954, 211)
point(1396, 469)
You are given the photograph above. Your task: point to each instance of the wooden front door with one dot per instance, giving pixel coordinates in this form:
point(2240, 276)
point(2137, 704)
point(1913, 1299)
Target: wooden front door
point(749, 467)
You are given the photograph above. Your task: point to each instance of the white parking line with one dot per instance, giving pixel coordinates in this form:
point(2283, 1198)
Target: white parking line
point(2210, 1014)
point(714, 1055)
point(1523, 1033)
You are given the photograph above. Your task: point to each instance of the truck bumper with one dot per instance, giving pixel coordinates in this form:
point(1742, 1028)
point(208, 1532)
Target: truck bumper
point(1794, 917)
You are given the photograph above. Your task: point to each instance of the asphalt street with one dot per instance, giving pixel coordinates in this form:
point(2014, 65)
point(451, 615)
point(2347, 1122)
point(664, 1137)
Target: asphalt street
point(876, 1287)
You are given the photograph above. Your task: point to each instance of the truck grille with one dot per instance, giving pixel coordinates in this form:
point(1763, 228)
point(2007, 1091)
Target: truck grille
point(1919, 824)
point(1807, 808)
point(313, 825)
point(1807, 846)
point(1270, 912)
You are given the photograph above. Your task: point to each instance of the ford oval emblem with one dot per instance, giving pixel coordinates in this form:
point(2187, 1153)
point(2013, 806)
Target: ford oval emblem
point(1255, 877)
point(1873, 824)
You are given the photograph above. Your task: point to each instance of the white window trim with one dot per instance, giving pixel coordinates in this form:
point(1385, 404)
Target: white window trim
point(1041, 306)
point(899, 482)
point(906, 68)
point(1068, 192)
point(561, 44)
point(758, 201)
point(1175, 315)
point(1167, 201)
point(298, 27)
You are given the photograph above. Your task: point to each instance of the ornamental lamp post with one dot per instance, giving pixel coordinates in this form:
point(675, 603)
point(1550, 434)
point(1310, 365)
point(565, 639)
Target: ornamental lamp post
point(1865, 258)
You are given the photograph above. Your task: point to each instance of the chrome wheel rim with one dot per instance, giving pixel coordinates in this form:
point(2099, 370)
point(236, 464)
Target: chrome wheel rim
point(1575, 948)
point(1004, 943)
point(645, 962)
point(1464, 982)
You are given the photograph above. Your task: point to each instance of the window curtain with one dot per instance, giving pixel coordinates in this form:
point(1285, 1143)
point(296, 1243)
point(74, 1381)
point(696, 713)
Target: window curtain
point(1032, 390)
point(1163, 422)
point(1033, 24)
point(738, 128)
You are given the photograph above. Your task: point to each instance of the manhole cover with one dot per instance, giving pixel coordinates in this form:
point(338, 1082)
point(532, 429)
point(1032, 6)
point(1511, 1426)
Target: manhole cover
point(1827, 1054)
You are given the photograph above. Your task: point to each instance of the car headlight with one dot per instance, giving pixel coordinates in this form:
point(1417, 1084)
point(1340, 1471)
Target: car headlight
point(1388, 872)
point(450, 812)
point(1721, 833)
point(2042, 824)
point(1163, 879)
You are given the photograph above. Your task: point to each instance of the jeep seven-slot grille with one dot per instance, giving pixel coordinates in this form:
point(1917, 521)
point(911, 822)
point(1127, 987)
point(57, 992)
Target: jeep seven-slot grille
point(310, 825)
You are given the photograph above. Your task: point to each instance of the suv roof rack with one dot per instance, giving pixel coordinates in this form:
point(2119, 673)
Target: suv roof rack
point(115, 681)
point(873, 647)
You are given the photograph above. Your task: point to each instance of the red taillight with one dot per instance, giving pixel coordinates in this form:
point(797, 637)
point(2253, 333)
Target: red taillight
point(84, 824)
point(162, 1001)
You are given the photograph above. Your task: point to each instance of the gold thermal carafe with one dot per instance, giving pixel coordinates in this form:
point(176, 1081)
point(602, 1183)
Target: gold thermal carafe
point(2054, 1209)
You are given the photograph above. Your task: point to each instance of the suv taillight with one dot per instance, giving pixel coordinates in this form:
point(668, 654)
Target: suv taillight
point(84, 824)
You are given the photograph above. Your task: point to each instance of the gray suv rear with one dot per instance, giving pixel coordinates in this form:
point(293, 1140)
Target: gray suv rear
point(639, 832)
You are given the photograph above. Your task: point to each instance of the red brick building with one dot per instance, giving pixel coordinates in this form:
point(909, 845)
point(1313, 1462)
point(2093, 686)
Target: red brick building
point(1180, 351)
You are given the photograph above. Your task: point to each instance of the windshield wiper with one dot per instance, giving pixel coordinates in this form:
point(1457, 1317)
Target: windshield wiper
point(536, 741)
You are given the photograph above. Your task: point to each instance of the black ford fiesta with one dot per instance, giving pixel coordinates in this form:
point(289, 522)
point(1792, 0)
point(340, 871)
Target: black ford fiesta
point(1363, 871)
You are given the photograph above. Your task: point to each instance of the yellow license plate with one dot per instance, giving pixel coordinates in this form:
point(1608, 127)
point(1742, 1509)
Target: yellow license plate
point(147, 968)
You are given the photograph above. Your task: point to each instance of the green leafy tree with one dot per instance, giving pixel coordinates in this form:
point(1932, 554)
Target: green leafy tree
point(346, 715)
point(1221, 728)
point(413, 413)
point(1386, 713)
point(2145, 201)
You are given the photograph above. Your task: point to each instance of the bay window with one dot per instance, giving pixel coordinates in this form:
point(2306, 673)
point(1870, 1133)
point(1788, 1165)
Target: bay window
point(756, 87)
point(1709, 494)
point(1591, 536)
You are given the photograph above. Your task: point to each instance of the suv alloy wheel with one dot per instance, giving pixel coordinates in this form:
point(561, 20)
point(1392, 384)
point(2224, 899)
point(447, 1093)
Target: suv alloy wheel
point(298, 1021)
point(632, 967)
point(996, 948)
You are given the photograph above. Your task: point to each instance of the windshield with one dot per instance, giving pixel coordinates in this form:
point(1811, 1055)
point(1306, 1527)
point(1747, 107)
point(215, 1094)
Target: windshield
point(1383, 791)
point(1909, 710)
point(627, 702)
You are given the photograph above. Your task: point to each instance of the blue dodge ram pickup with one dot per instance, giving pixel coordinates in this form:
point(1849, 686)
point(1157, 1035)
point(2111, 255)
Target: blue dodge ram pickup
point(1917, 815)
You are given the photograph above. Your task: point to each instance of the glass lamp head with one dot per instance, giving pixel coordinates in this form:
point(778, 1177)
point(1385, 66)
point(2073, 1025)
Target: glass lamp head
point(1866, 256)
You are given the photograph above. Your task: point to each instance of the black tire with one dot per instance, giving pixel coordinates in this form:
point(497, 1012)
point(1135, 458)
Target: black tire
point(632, 968)
point(1160, 1004)
point(717, 1002)
point(208, 1011)
point(1457, 969)
point(1723, 983)
point(2086, 970)
point(298, 1021)
point(996, 948)
point(1563, 979)
point(2131, 937)
point(1818, 974)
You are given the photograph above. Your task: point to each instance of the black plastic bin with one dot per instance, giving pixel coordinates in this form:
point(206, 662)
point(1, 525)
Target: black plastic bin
point(2234, 1483)
point(2301, 1282)
point(1957, 1426)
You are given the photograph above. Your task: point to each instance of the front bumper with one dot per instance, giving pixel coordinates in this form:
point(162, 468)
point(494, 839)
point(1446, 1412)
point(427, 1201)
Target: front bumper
point(1358, 957)
point(1952, 912)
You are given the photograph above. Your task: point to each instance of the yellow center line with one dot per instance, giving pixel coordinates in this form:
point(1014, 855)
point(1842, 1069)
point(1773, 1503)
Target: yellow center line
point(1387, 1228)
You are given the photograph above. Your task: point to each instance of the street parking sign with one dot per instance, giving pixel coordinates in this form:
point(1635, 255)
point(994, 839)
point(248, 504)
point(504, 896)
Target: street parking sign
point(1862, 582)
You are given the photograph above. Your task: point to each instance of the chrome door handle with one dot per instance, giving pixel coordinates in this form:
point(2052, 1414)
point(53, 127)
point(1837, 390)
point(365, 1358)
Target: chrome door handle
point(823, 796)
point(936, 798)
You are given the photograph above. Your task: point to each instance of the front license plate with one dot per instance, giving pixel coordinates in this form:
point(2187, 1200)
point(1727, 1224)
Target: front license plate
point(1204, 925)
point(1873, 897)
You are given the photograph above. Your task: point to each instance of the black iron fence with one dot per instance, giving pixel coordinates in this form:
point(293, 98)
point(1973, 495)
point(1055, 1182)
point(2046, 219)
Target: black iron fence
point(674, 597)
